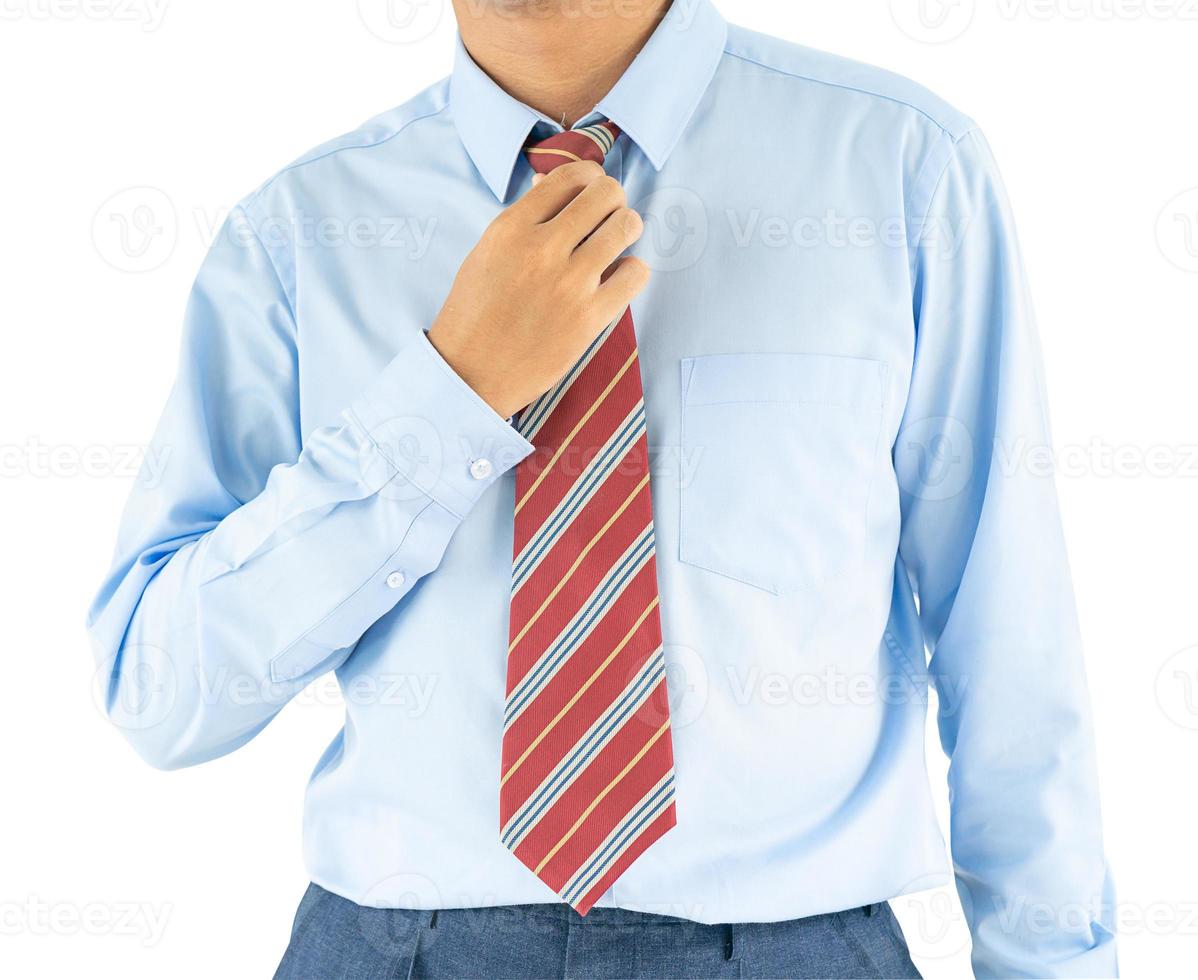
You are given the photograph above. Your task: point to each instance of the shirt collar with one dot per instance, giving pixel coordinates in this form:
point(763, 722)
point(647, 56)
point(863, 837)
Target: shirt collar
point(652, 102)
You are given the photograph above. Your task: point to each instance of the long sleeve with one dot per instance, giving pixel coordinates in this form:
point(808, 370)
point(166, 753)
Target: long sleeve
point(983, 549)
point(251, 559)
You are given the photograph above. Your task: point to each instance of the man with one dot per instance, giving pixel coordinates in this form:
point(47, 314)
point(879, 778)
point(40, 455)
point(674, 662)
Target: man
point(778, 478)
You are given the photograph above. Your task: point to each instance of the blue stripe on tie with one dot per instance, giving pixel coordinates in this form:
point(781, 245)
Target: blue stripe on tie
point(630, 701)
point(598, 472)
point(603, 133)
point(584, 618)
point(615, 717)
point(597, 605)
point(624, 835)
point(578, 495)
point(531, 420)
point(655, 803)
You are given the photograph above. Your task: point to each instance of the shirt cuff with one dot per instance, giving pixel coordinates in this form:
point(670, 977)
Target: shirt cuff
point(423, 424)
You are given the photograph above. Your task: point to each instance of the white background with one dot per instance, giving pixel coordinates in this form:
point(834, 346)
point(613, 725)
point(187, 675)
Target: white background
point(156, 115)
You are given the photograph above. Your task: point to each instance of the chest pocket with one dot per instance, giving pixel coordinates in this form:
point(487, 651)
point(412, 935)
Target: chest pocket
point(778, 457)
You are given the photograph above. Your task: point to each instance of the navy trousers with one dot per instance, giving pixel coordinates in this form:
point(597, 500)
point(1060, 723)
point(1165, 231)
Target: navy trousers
point(334, 938)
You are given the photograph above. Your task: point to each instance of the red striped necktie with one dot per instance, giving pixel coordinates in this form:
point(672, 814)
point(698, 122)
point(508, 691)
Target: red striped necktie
point(587, 779)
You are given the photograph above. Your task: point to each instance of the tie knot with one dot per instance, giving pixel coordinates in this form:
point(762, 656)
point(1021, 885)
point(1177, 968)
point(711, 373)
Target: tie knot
point(588, 143)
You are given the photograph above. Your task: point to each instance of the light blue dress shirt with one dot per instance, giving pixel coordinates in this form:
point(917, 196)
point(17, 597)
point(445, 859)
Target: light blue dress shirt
point(841, 379)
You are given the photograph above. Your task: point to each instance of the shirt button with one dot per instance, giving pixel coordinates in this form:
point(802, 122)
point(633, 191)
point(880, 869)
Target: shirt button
point(480, 469)
point(395, 580)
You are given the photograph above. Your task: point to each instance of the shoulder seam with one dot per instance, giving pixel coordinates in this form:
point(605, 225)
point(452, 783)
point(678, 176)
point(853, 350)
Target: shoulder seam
point(357, 146)
point(850, 88)
point(274, 265)
point(934, 187)
point(953, 144)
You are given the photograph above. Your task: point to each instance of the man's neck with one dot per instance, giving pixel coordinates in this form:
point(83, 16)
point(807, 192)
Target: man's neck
point(558, 56)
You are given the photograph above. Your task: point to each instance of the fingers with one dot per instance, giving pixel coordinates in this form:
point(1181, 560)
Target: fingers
point(587, 212)
point(619, 230)
point(622, 283)
point(582, 210)
point(554, 191)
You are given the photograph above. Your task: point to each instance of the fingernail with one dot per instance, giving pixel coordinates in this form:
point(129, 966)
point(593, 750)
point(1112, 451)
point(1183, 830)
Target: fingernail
point(536, 178)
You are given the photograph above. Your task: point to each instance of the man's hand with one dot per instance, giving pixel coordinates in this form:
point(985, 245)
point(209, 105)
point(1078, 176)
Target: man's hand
point(540, 285)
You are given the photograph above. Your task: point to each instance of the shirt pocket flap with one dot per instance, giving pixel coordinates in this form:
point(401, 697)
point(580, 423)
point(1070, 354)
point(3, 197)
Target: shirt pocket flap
point(854, 383)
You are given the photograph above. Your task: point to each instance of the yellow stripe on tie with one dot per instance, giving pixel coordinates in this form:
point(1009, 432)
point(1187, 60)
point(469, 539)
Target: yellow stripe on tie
point(565, 579)
point(581, 691)
point(598, 799)
point(581, 422)
point(554, 152)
